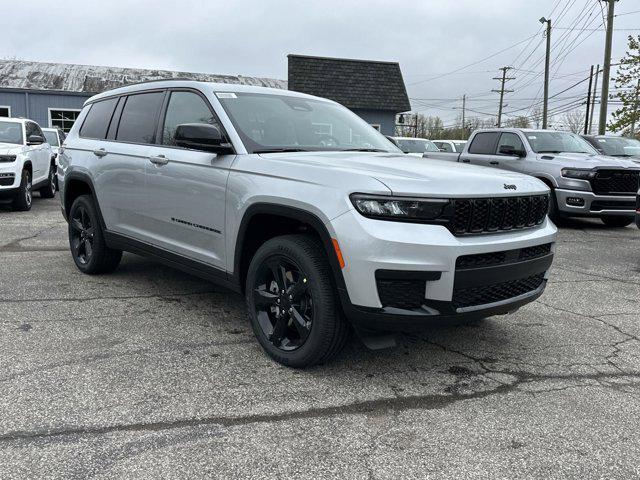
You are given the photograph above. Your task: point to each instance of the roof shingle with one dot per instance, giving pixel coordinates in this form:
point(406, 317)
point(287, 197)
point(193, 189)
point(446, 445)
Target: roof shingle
point(356, 84)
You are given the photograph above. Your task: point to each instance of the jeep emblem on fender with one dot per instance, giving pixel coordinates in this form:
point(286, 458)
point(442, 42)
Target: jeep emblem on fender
point(510, 187)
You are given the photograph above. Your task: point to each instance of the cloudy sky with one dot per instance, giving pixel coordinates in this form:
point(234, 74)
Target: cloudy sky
point(446, 48)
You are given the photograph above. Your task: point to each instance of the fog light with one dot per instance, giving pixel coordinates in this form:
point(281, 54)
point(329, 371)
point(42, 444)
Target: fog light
point(575, 201)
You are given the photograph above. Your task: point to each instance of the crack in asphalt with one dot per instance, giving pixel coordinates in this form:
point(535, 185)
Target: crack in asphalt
point(367, 407)
point(109, 297)
point(14, 245)
point(591, 274)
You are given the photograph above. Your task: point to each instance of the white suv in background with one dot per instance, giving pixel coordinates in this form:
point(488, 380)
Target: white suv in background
point(55, 137)
point(319, 230)
point(26, 162)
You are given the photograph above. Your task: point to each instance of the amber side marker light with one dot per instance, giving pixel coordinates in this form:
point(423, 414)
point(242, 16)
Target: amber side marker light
point(336, 247)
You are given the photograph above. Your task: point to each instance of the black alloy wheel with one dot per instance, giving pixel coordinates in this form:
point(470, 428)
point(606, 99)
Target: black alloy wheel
point(82, 234)
point(283, 304)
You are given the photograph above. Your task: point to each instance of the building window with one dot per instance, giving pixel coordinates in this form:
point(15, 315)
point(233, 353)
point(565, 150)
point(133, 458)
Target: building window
point(63, 118)
point(5, 111)
point(376, 126)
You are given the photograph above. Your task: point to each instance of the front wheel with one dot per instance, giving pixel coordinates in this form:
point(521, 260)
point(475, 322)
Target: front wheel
point(617, 221)
point(292, 302)
point(24, 197)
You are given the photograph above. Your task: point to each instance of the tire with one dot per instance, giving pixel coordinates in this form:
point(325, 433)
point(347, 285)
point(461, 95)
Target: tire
point(617, 221)
point(24, 198)
point(299, 263)
point(49, 190)
point(86, 239)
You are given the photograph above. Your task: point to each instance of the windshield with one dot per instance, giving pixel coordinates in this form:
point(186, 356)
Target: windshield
point(558, 142)
point(11, 132)
point(619, 146)
point(459, 146)
point(269, 122)
point(416, 145)
point(51, 137)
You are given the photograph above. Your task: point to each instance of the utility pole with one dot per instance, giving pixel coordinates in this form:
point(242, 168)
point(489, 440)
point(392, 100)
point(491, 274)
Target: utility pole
point(545, 104)
point(593, 99)
point(586, 118)
point(464, 106)
point(606, 69)
point(502, 90)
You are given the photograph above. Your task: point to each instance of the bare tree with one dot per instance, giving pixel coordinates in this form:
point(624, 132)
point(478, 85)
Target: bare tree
point(573, 121)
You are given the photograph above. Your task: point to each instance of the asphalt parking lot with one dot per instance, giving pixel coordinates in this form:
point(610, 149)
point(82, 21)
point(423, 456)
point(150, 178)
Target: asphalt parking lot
point(152, 373)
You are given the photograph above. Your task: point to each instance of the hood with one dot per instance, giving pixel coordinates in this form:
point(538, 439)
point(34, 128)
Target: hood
point(584, 160)
point(408, 175)
point(10, 149)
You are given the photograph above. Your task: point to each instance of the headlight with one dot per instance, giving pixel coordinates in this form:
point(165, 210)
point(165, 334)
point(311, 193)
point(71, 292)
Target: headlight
point(402, 208)
point(7, 158)
point(579, 173)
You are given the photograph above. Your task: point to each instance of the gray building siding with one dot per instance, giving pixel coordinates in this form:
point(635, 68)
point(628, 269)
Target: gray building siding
point(35, 105)
point(386, 120)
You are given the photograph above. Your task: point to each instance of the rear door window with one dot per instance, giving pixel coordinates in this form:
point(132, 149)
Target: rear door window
point(484, 143)
point(139, 118)
point(96, 123)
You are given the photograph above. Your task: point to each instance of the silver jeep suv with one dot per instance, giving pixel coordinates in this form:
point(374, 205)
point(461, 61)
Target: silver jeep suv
point(302, 206)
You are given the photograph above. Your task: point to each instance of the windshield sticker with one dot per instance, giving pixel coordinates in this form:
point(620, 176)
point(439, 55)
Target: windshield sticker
point(602, 140)
point(226, 95)
point(532, 137)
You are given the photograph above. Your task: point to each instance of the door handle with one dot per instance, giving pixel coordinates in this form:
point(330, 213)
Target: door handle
point(493, 162)
point(159, 160)
point(100, 152)
point(465, 160)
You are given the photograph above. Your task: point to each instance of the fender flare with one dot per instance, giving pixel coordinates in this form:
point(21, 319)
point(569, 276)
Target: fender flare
point(296, 214)
point(84, 178)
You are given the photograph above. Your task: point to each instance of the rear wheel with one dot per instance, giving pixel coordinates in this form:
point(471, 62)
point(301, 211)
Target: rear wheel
point(292, 302)
point(617, 221)
point(49, 190)
point(24, 197)
point(86, 239)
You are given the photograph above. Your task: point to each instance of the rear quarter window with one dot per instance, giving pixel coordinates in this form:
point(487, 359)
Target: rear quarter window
point(139, 118)
point(97, 121)
point(484, 143)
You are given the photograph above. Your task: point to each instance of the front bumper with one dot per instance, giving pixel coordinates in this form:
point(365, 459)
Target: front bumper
point(587, 204)
point(426, 255)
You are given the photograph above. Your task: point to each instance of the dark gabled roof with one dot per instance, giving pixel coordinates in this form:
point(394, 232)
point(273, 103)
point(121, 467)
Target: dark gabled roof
point(92, 79)
point(356, 84)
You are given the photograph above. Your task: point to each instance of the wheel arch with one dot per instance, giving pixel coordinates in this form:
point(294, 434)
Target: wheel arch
point(76, 184)
point(285, 219)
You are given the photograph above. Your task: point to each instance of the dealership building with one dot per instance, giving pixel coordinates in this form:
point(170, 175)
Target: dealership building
point(52, 94)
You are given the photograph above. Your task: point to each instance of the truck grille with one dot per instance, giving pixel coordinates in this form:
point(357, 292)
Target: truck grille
point(485, 215)
point(484, 294)
point(615, 182)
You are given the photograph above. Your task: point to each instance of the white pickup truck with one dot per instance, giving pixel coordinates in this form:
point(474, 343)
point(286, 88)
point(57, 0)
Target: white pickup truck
point(583, 182)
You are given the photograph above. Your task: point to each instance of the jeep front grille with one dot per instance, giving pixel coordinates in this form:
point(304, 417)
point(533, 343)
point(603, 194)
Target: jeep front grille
point(486, 215)
point(485, 294)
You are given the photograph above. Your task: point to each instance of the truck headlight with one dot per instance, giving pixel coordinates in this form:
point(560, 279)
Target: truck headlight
point(402, 208)
point(579, 173)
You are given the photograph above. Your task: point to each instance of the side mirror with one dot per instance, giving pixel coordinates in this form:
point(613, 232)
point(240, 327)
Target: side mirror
point(202, 136)
point(509, 150)
point(35, 140)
